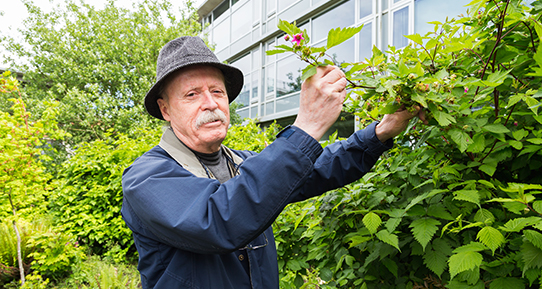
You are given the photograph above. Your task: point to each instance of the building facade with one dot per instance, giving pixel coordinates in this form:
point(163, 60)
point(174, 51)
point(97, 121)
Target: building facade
point(242, 30)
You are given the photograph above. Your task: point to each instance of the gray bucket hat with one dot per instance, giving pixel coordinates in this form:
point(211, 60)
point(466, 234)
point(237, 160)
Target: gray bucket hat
point(186, 51)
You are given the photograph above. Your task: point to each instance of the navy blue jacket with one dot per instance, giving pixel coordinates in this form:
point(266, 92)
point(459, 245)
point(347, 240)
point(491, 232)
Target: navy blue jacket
point(188, 230)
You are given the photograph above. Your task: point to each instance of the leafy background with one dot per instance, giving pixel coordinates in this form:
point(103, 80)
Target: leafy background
point(455, 204)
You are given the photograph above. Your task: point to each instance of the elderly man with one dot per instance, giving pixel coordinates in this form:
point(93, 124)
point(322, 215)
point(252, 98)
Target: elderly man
point(200, 212)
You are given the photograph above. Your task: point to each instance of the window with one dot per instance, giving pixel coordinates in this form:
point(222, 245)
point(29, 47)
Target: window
point(400, 27)
point(433, 10)
point(241, 21)
point(366, 8)
point(366, 41)
point(221, 34)
point(221, 9)
point(341, 16)
point(289, 75)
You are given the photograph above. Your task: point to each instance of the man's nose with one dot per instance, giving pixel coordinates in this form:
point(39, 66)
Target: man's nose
point(209, 102)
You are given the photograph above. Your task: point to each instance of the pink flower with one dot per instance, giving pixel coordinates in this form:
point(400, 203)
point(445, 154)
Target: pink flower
point(466, 89)
point(287, 37)
point(297, 39)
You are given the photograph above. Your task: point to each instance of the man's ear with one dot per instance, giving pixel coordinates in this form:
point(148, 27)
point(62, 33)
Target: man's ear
point(164, 108)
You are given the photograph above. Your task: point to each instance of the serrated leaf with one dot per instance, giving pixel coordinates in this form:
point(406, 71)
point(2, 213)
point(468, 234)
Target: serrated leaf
point(392, 224)
point(438, 211)
point(484, 216)
point(275, 51)
point(534, 237)
point(339, 35)
point(467, 195)
point(471, 247)
point(490, 237)
point(461, 138)
point(464, 261)
point(388, 238)
point(372, 221)
point(416, 38)
point(515, 225)
point(436, 261)
point(488, 169)
point(424, 229)
point(443, 118)
point(478, 144)
point(288, 28)
point(531, 255)
point(507, 283)
point(455, 284)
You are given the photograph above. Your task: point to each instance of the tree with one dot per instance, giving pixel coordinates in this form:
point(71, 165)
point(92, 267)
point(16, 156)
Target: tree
point(97, 63)
point(22, 180)
point(456, 203)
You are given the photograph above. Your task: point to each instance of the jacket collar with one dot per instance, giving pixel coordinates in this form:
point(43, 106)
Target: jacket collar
point(185, 157)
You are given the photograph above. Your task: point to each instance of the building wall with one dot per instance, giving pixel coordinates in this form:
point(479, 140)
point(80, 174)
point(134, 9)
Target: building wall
point(242, 30)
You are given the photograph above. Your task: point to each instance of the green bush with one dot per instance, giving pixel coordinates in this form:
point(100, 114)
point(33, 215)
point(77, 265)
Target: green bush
point(88, 200)
point(456, 203)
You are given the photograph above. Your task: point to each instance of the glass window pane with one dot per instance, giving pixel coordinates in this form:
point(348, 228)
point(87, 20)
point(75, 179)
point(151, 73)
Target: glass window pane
point(243, 63)
point(284, 3)
point(270, 78)
point(341, 16)
point(384, 32)
point(344, 52)
point(288, 103)
point(272, 24)
point(221, 34)
point(366, 8)
point(244, 95)
point(256, 63)
point(254, 112)
point(256, 12)
point(366, 41)
point(431, 10)
point(289, 75)
point(241, 22)
point(255, 77)
point(271, 4)
point(269, 108)
point(221, 9)
point(270, 58)
point(384, 4)
point(400, 28)
point(243, 113)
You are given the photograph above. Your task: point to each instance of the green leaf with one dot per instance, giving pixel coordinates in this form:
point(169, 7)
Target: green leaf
point(496, 78)
point(288, 28)
point(531, 256)
point(467, 195)
point(490, 237)
point(308, 72)
point(461, 138)
point(435, 260)
point(496, 128)
point(339, 35)
point(478, 144)
point(275, 51)
point(507, 283)
point(464, 261)
point(443, 118)
point(537, 206)
point(424, 229)
point(520, 134)
point(455, 284)
point(534, 237)
point(388, 238)
point(484, 216)
point(372, 221)
point(416, 38)
point(488, 169)
point(391, 266)
point(471, 247)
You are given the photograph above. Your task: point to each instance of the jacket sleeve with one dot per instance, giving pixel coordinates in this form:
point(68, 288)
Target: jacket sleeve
point(166, 202)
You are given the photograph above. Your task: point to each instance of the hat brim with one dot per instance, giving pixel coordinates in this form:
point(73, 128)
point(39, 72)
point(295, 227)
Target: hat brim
point(233, 78)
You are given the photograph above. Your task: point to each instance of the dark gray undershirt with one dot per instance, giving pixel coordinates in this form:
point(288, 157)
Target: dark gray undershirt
point(216, 163)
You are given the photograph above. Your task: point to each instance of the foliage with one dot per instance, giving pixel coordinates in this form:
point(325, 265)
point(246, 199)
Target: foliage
point(88, 198)
point(99, 63)
point(22, 143)
point(47, 252)
point(249, 136)
point(456, 202)
point(97, 273)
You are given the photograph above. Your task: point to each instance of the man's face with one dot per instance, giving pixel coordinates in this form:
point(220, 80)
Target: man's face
point(197, 107)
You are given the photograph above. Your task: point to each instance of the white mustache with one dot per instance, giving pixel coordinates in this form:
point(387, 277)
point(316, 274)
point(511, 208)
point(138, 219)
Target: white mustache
point(210, 116)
